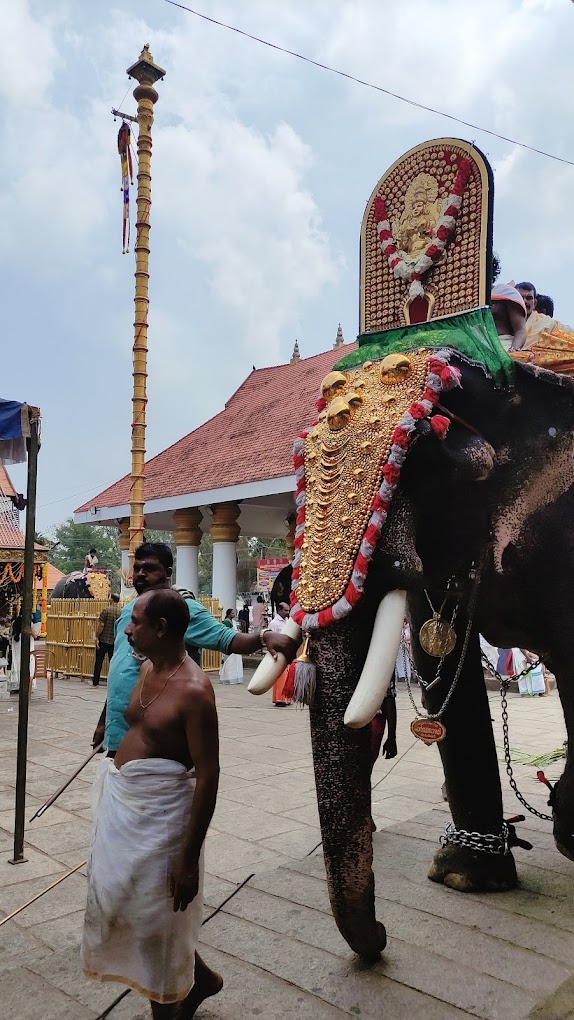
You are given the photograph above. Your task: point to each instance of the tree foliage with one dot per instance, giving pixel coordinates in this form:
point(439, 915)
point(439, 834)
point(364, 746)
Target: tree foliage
point(70, 542)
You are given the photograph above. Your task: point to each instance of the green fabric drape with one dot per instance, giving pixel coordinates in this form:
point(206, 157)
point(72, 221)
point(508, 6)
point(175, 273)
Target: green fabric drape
point(472, 334)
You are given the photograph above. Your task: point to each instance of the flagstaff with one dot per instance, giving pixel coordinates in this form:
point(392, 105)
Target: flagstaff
point(146, 74)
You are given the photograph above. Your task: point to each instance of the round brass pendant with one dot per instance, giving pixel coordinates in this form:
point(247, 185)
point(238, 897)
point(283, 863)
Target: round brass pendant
point(437, 637)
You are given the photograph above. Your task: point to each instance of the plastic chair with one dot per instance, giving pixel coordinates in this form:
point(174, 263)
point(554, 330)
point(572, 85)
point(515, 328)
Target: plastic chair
point(44, 660)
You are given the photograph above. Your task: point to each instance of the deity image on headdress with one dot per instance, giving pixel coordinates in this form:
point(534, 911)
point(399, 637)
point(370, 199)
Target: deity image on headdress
point(415, 228)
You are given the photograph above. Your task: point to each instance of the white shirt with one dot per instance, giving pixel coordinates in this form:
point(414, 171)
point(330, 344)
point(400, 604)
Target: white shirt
point(277, 624)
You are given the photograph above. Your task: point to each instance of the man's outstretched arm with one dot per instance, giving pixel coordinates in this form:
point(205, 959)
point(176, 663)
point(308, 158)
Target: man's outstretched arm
point(204, 631)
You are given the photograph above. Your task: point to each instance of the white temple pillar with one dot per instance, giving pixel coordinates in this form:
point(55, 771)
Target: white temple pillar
point(187, 537)
point(224, 532)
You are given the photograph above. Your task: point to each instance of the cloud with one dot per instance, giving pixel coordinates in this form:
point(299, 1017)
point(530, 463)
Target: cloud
point(261, 169)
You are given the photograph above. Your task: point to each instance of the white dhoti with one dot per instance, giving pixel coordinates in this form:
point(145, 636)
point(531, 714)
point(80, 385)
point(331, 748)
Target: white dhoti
point(231, 669)
point(131, 933)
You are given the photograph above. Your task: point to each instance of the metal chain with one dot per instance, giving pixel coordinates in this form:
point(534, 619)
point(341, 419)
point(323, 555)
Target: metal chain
point(504, 685)
point(483, 841)
point(456, 678)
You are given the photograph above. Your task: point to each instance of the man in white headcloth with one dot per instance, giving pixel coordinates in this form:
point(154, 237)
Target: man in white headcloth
point(152, 806)
point(509, 314)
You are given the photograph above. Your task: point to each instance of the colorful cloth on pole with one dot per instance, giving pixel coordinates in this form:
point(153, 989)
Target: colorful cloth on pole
point(124, 149)
point(472, 335)
point(14, 430)
point(267, 571)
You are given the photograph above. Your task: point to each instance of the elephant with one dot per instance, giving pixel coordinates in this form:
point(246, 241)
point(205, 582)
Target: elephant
point(484, 518)
point(77, 585)
point(73, 586)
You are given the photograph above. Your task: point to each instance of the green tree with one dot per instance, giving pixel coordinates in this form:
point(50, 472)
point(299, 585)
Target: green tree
point(70, 542)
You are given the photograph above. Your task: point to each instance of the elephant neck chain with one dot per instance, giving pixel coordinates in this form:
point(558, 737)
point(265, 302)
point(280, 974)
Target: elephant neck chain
point(427, 726)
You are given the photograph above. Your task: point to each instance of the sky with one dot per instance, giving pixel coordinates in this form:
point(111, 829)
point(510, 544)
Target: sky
point(262, 167)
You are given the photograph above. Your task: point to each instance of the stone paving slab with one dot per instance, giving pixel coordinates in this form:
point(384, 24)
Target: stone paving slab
point(449, 955)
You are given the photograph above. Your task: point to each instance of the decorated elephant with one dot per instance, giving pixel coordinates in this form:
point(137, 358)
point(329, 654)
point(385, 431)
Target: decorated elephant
point(438, 481)
point(77, 585)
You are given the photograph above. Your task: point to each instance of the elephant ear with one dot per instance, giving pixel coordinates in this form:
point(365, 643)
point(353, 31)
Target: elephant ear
point(348, 467)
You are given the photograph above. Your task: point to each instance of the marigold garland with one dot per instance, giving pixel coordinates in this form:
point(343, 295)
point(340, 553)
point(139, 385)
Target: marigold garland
point(9, 573)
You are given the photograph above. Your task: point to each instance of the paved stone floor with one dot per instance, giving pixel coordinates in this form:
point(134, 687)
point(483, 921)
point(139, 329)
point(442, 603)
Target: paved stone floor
point(505, 956)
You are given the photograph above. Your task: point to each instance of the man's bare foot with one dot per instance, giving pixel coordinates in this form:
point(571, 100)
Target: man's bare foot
point(207, 983)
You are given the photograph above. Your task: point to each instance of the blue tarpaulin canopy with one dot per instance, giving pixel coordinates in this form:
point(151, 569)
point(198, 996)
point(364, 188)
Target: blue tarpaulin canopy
point(14, 430)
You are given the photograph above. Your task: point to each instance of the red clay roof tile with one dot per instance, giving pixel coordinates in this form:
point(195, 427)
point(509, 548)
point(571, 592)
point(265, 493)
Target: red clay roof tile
point(250, 440)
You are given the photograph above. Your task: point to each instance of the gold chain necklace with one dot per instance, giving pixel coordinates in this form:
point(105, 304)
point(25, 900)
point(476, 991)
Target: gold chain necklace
point(156, 696)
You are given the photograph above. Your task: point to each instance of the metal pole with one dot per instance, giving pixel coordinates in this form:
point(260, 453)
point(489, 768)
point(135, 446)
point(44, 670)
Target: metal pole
point(23, 693)
point(146, 74)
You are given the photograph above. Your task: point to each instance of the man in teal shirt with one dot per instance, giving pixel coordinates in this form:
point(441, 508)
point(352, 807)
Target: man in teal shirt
point(153, 565)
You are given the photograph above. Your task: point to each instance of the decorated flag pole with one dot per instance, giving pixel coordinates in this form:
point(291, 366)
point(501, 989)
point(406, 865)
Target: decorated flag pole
point(146, 73)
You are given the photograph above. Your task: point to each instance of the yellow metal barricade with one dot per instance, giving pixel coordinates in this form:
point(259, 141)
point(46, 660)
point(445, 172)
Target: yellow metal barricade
point(71, 635)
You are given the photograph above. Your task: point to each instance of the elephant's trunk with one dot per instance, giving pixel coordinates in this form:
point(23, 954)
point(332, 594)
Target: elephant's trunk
point(342, 759)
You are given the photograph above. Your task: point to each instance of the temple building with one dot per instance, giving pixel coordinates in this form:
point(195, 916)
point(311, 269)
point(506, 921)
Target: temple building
point(12, 549)
point(233, 475)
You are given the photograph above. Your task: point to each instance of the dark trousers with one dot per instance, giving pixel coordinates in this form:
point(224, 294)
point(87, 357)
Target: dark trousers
point(101, 653)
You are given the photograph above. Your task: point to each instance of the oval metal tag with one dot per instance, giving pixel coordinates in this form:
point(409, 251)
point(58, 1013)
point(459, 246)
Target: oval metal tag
point(430, 731)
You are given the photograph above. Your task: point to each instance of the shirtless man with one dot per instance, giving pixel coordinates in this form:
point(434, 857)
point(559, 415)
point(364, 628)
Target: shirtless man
point(152, 818)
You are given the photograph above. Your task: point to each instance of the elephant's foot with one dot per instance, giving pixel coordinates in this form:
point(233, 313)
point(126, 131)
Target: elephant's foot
point(368, 947)
point(473, 871)
point(563, 818)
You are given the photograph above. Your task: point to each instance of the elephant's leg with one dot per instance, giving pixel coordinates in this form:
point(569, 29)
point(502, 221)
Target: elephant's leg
point(342, 771)
point(471, 771)
point(563, 797)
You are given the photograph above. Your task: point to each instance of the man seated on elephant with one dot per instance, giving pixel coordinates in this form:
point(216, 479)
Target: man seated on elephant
point(153, 563)
point(509, 314)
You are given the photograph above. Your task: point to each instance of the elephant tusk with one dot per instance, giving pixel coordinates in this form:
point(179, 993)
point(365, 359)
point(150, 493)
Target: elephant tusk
point(380, 662)
point(270, 669)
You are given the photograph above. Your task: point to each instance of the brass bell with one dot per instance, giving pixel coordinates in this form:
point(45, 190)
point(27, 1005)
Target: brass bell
point(332, 385)
point(395, 368)
point(346, 521)
point(339, 414)
point(366, 446)
point(359, 473)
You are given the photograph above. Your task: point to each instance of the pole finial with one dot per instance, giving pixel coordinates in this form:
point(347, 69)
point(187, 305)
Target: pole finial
point(295, 357)
point(339, 339)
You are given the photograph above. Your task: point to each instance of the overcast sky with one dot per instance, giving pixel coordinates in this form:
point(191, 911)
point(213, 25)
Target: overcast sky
point(262, 166)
